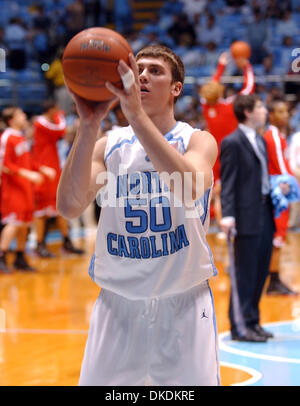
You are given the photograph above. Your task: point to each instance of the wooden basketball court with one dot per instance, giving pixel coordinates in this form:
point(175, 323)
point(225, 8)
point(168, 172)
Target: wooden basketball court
point(44, 316)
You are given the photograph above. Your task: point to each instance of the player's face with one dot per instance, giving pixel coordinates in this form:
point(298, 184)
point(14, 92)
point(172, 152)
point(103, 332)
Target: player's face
point(157, 88)
point(19, 120)
point(280, 115)
point(259, 114)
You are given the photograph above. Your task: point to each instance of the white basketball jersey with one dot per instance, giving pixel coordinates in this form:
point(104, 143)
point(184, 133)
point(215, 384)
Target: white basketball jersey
point(146, 246)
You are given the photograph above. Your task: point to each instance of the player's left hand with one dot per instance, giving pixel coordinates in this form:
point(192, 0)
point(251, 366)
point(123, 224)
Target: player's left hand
point(48, 171)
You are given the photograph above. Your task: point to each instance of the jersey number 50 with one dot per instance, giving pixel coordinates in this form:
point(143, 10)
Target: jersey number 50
point(142, 215)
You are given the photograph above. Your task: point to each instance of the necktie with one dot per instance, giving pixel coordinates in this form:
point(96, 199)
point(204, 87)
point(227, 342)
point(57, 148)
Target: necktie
point(261, 154)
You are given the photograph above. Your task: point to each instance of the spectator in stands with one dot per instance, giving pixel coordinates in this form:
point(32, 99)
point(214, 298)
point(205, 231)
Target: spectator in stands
point(257, 37)
point(58, 89)
point(123, 15)
point(286, 26)
point(40, 20)
point(212, 53)
point(92, 12)
point(268, 65)
point(171, 7)
point(192, 7)
point(40, 26)
point(15, 36)
point(211, 32)
point(75, 18)
point(181, 26)
point(273, 11)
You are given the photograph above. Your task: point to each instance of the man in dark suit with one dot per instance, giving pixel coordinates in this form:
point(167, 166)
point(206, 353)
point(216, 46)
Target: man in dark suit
point(247, 210)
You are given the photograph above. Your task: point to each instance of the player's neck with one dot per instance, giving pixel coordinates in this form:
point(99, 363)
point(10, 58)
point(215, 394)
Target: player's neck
point(48, 117)
point(164, 122)
point(280, 128)
point(16, 128)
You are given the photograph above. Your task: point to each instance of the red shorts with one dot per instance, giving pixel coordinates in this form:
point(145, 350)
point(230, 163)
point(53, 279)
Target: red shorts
point(281, 224)
point(25, 217)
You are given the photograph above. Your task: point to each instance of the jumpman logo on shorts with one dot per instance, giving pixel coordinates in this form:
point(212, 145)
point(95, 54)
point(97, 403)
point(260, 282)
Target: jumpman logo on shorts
point(204, 315)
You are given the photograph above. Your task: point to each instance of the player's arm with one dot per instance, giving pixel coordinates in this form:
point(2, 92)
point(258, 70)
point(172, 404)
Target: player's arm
point(249, 79)
point(78, 182)
point(222, 62)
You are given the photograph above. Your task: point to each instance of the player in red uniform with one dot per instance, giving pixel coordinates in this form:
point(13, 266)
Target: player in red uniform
point(219, 115)
point(17, 179)
point(278, 164)
point(48, 129)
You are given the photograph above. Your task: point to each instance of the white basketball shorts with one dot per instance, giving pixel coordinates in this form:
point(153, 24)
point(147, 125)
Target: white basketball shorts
point(163, 341)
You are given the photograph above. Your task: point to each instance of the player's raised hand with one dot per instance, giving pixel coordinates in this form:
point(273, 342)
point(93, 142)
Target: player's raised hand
point(130, 95)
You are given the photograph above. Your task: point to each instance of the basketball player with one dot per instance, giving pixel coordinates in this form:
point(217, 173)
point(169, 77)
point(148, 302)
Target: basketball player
point(17, 179)
point(278, 164)
point(151, 257)
point(219, 115)
point(49, 127)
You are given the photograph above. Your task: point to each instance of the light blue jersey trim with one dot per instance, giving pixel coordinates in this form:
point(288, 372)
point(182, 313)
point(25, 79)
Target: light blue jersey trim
point(169, 134)
point(126, 141)
point(205, 199)
point(216, 332)
point(92, 268)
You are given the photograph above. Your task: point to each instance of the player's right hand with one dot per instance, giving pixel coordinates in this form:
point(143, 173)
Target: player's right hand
point(227, 225)
point(89, 110)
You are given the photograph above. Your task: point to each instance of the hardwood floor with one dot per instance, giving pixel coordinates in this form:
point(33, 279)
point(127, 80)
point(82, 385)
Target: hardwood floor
point(44, 316)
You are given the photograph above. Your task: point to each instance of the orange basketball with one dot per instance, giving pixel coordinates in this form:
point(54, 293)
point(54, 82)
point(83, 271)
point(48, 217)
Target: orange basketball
point(240, 49)
point(91, 58)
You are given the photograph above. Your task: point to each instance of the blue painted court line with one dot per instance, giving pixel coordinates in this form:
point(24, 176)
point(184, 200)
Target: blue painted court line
point(277, 362)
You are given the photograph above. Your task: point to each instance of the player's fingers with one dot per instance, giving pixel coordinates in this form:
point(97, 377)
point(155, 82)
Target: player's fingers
point(114, 90)
point(134, 67)
point(126, 74)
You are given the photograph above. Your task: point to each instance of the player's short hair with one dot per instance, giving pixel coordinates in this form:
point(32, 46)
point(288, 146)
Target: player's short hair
point(273, 103)
point(48, 105)
point(174, 61)
point(8, 113)
point(244, 102)
point(212, 91)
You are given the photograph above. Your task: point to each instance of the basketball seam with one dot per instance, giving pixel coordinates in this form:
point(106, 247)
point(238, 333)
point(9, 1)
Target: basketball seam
point(90, 58)
point(116, 41)
point(87, 85)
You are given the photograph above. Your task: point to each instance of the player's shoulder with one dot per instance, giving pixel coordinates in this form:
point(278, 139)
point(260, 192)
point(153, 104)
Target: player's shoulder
point(117, 134)
point(10, 135)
